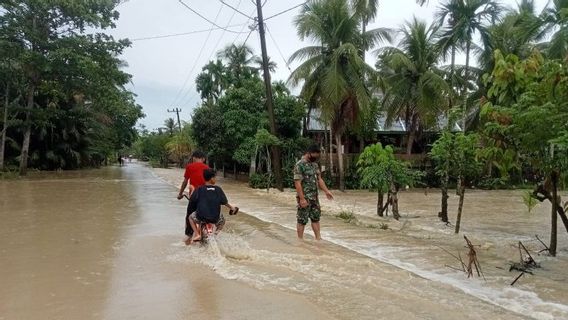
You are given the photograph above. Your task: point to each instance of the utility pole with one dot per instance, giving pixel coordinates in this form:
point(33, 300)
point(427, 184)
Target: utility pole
point(177, 111)
point(276, 164)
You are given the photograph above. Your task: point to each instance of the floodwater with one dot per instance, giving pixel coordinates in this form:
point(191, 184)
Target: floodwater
point(107, 244)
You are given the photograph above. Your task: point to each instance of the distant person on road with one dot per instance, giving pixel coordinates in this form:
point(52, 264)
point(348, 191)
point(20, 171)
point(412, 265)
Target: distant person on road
point(206, 202)
point(120, 160)
point(194, 177)
point(307, 179)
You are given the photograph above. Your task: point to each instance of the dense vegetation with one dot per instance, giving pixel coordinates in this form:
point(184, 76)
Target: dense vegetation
point(64, 104)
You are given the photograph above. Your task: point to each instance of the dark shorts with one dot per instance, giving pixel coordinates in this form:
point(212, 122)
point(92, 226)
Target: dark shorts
point(311, 212)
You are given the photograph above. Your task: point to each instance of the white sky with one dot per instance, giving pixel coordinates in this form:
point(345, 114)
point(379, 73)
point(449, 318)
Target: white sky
point(160, 67)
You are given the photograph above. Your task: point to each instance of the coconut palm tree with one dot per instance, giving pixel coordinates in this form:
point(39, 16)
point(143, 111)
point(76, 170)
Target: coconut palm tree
point(415, 88)
point(239, 61)
point(170, 124)
point(333, 72)
point(554, 21)
point(462, 20)
point(516, 33)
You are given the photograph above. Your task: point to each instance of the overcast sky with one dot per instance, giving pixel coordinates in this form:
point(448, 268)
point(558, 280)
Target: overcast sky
point(164, 69)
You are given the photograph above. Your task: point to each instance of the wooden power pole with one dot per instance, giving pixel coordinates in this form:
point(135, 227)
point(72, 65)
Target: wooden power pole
point(276, 164)
point(177, 111)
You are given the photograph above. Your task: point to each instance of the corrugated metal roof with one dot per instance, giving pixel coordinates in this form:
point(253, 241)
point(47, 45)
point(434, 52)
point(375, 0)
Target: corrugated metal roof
point(396, 127)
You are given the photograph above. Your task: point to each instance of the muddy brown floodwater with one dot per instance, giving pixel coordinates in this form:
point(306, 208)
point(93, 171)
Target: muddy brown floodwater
point(107, 244)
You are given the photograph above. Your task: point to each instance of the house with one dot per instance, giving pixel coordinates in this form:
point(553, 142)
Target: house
point(395, 135)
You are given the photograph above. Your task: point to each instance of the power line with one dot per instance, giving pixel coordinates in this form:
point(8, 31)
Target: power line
point(236, 10)
point(185, 33)
point(204, 18)
point(191, 97)
point(222, 34)
point(287, 10)
point(246, 39)
point(234, 41)
point(277, 48)
point(198, 56)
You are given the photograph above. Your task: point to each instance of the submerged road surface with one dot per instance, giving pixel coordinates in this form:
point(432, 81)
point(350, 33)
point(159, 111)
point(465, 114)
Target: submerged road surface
point(107, 244)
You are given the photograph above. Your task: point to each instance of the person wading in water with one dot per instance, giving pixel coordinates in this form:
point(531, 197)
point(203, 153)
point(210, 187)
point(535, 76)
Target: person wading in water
point(307, 178)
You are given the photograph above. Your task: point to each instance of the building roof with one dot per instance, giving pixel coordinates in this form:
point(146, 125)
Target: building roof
point(398, 126)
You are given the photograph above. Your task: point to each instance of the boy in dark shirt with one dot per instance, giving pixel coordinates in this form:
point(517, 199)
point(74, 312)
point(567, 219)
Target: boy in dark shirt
point(207, 200)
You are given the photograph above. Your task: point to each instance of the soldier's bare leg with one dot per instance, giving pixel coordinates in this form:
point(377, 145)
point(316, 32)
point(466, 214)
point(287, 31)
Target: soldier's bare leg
point(300, 230)
point(316, 228)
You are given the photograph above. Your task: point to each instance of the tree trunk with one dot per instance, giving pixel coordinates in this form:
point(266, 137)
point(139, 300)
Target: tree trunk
point(4, 128)
point(235, 171)
point(541, 189)
point(330, 151)
point(411, 135)
point(361, 144)
point(268, 161)
point(394, 202)
point(453, 65)
point(464, 116)
point(27, 132)
point(461, 188)
point(252, 169)
point(340, 162)
point(380, 203)
point(410, 142)
point(554, 217)
point(444, 213)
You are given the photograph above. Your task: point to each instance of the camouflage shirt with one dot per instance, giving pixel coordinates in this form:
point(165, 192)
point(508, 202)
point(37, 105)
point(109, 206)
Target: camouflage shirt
point(309, 174)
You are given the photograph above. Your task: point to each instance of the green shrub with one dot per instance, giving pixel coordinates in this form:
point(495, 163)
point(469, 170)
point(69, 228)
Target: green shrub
point(529, 201)
point(491, 183)
point(261, 181)
point(347, 216)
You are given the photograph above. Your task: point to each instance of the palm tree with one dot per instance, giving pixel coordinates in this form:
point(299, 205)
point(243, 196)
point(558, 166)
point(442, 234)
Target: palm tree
point(367, 10)
point(170, 124)
point(333, 72)
point(280, 89)
point(554, 20)
point(271, 64)
point(463, 19)
point(415, 89)
point(212, 81)
point(240, 60)
point(516, 34)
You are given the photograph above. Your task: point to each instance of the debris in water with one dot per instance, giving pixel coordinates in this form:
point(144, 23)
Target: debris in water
point(526, 264)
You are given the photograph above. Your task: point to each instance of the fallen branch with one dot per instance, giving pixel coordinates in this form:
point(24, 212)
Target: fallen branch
point(546, 248)
point(458, 258)
point(526, 264)
point(517, 278)
point(473, 261)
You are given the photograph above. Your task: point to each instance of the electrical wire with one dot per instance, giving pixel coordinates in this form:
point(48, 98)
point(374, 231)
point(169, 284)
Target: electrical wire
point(204, 18)
point(210, 57)
point(184, 33)
point(236, 10)
point(278, 48)
point(234, 41)
point(198, 56)
point(283, 12)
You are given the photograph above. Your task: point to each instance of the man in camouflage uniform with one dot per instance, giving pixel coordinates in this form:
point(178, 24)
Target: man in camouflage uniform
point(307, 178)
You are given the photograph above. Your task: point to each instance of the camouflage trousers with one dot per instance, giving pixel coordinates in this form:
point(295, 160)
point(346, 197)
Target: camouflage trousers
point(311, 212)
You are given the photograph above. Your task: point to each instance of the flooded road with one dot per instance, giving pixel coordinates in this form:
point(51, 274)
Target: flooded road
point(107, 244)
point(95, 245)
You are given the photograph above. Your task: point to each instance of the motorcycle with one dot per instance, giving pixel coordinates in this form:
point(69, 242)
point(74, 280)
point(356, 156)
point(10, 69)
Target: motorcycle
point(208, 230)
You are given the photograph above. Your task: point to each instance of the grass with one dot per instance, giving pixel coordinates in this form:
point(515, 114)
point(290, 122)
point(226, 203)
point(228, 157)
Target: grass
point(347, 216)
point(5, 175)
